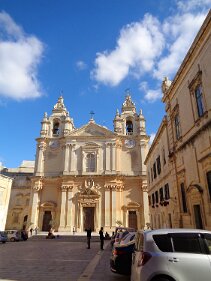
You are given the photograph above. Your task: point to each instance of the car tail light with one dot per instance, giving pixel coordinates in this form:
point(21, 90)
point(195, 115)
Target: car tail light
point(144, 258)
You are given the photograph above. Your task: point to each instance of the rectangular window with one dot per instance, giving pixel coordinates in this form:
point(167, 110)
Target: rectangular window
point(156, 197)
point(209, 183)
point(153, 199)
point(161, 194)
point(166, 190)
point(158, 165)
point(154, 171)
point(199, 100)
point(164, 157)
point(177, 126)
point(90, 162)
point(183, 194)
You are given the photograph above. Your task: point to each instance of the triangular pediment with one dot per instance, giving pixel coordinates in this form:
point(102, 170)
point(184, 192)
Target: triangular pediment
point(93, 129)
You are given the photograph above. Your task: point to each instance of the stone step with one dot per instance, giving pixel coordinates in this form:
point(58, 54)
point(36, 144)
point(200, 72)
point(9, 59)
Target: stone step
point(65, 237)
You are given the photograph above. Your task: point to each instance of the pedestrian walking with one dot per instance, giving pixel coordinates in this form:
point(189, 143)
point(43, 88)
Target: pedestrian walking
point(36, 230)
point(31, 230)
point(89, 235)
point(101, 238)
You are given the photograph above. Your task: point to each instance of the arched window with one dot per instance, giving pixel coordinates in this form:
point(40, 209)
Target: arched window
point(129, 127)
point(90, 162)
point(56, 128)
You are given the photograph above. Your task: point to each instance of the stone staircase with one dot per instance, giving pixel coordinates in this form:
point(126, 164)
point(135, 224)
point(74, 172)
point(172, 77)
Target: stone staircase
point(62, 236)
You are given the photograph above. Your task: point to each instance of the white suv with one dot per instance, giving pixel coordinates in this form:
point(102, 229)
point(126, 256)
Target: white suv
point(172, 255)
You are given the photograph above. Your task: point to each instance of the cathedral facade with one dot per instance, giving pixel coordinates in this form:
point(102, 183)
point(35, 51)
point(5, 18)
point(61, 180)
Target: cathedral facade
point(90, 176)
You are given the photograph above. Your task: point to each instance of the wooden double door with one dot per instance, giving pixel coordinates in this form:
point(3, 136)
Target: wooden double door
point(88, 218)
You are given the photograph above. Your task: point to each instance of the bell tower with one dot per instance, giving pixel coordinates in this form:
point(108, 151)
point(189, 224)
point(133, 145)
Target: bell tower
point(59, 123)
point(129, 123)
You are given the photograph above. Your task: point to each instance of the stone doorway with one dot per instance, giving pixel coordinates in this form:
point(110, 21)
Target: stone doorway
point(198, 218)
point(88, 218)
point(46, 221)
point(132, 220)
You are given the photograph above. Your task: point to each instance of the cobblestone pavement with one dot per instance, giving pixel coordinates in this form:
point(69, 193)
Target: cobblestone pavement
point(55, 260)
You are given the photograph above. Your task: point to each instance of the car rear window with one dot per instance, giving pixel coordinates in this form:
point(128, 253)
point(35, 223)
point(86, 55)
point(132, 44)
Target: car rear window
point(163, 241)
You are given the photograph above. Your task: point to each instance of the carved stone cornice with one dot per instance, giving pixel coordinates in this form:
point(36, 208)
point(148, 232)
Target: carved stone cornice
point(114, 187)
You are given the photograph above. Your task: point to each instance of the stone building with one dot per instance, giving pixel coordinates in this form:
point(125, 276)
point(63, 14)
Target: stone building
point(180, 187)
point(17, 215)
point(5, 189)
point(90, 176)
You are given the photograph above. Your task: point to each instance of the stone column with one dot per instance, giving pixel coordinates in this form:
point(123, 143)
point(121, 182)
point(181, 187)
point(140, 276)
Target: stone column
point(107, 206)
point(81, 218)
point(113, 154)
point(62, 224)
point(35, 203)
point(66, 158)
point(113, 212)
point(70, 222)
point(145, 204)
point(40, 160)
point(100, 160)
point(72, 158)
point(83, 156)
point(108, 157)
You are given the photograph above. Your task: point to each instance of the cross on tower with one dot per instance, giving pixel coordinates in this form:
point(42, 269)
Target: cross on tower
point(91, 114)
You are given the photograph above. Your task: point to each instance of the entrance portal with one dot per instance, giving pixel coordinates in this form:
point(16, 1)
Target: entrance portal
point(132, 220)
point(198, 219)
point(46, 221)
point(88, 217)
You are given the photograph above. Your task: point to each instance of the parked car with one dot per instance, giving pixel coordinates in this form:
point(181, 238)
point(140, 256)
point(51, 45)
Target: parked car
point(172, 255)
point(119, 233)
point(120, 261)
point(3, 237)
point(13, 235)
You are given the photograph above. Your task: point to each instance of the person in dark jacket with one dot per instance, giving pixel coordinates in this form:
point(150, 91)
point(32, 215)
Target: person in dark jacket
point(89, 235)
point(101, 238)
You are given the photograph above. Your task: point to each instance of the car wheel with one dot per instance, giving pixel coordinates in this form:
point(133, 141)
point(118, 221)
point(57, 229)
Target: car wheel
point(12, 239)
point(3, 242)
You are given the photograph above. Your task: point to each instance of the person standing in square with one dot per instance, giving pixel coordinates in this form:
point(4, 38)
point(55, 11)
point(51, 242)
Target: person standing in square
point(101, 238)
point(89, 235)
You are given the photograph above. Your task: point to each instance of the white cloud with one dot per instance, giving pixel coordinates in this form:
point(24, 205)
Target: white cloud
point(191, 5)
point(151, 47)
point(20, 56)
point(152, 136)
point(179, 32)
point(149, 94)
point(81, 65)
point(137, 48)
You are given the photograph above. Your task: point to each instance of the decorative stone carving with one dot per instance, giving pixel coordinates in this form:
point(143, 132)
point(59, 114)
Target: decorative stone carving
point(37, 186)
point(165, 85)
point(65, 187)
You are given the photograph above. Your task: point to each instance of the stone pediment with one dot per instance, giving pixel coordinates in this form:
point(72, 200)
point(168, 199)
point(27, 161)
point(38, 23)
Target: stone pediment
point(92, 129)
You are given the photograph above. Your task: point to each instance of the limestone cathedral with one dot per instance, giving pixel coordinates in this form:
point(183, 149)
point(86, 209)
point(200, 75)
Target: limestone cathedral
point(90, 176)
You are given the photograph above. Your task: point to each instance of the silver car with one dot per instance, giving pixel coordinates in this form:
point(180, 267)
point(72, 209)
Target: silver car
point(172, 255)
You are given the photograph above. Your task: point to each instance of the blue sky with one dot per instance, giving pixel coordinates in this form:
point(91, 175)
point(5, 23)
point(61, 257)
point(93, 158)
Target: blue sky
point(91, 51)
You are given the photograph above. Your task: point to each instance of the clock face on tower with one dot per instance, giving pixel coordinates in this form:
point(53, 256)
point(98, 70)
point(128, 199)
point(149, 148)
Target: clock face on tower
point(130, 143)
point(54, 144)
